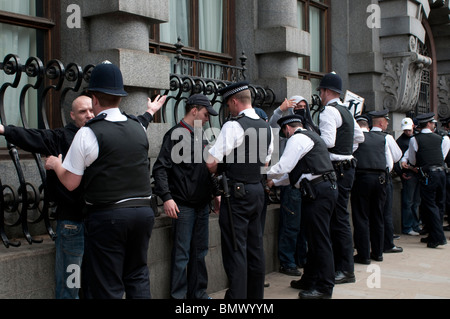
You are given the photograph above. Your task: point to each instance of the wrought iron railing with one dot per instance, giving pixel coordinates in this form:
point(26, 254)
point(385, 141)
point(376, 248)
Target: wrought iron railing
point(190, 77)
point(30, 203)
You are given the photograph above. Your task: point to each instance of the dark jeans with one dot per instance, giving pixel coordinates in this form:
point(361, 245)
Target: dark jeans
point(116, 249)
point(410, 204)
point(291, 242)
point(189, 277)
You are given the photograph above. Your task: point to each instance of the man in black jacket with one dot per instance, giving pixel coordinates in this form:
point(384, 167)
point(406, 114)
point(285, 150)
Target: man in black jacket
point(183, 182)
point(69, 242)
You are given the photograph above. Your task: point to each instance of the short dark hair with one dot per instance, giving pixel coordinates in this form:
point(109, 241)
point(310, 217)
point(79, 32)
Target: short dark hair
point(107, 100)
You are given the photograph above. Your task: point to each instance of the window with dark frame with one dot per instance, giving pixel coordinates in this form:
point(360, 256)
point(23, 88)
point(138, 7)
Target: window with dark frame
point(30, 28)
point(205, 28)
point(313, 17)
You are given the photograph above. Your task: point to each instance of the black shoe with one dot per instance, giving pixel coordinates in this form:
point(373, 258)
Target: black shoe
point(394, 249)
point(313, 294)
point(376, 258)
point(360, 260)
point(299, 284)
point(424, 240)
point(343, 277)
point(424, 231)
point(447, 228)
point(396, 236)
point(290, 271)
point(435, 244)
point(266, 284)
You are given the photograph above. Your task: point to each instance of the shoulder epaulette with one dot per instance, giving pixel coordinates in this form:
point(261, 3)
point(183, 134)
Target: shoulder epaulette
point(236, 118)
point(131, 117)
point(98, 118)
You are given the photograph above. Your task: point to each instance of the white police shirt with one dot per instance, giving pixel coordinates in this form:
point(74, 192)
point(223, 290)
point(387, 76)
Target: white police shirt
point(393, 151)
point(329, 121)
point(410, 154)
point(297, 146)
point(84, 149)
point(232, 136)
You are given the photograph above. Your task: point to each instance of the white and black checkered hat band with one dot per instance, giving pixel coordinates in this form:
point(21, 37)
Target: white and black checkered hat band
point(234, 91)
point(291, 121)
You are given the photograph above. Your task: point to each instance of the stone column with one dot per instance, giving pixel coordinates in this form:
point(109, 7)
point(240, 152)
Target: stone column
point(401, 32)
point(365, 61)
point(118, 31)
point(439, 20)
point(273, 44)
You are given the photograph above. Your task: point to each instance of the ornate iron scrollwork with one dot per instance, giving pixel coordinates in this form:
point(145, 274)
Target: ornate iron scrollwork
point(30, 203)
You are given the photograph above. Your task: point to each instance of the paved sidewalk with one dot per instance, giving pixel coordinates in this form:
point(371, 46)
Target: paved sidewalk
point(416, 273)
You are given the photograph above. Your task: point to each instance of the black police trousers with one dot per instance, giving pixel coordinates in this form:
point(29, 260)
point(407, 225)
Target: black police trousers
point(341, 233)
point(115, 262)
point(319, 270)
point(432, 205)
point(368, 201)
point(245, 267)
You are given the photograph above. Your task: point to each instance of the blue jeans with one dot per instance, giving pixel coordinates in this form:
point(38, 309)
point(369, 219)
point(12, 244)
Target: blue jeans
point(291, 242)
point(189, 277)
point(410, 204)
point(69, 246)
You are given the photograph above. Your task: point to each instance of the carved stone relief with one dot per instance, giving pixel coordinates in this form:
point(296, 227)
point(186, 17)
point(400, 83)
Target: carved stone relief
point(444, 96)
point(401, 80)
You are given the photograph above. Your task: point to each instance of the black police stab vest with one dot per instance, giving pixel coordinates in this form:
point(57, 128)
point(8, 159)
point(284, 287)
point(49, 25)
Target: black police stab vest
point(122, 168)
point(245, 162)
point(371, 153)
point(345, 133)
point(429, 152)
point(316, 161)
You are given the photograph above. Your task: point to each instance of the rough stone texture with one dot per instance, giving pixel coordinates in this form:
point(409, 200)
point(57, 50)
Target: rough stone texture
point(156, 10)
point(27, 272)
point(282, 39)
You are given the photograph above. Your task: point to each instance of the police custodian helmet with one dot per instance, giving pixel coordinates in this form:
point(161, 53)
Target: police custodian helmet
point(107, 78)
point(331, 81)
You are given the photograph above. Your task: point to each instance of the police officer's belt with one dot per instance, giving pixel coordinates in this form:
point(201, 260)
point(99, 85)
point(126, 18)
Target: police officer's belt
point(435, 169)
point(138, 202)
point(326, 177)
point(370, 171)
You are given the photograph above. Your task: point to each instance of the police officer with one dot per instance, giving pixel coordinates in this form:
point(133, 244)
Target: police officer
point(445, 131)
point(111, 154)
point(340, 133)
point(368, 194)
point(380, 122)
point(239, 219)
point(305, 164)
point(427, 151)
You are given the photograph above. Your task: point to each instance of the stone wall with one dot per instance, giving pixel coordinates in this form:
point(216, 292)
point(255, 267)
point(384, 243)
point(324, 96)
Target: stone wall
point(27, 272)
